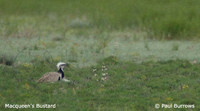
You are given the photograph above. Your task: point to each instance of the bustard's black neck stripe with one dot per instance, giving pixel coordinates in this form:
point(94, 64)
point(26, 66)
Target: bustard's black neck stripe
point(61, 72)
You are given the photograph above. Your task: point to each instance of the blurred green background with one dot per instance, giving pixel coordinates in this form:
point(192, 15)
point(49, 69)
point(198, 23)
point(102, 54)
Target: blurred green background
point(161, 19)
point(85, 31)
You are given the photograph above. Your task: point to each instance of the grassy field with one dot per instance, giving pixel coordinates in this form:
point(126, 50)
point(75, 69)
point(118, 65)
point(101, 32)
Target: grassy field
point(150, 49)
point(84, 50)
point(168, 19)
point(128, 86)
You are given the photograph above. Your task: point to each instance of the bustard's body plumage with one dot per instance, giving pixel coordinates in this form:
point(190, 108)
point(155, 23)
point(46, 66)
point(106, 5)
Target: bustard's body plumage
point(54, 76)
point(50, 77)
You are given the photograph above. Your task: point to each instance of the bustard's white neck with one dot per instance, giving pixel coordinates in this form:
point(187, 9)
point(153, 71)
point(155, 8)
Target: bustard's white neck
point(60, 67)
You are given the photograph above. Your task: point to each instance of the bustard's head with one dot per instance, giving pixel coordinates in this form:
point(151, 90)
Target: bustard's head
point(61, 65)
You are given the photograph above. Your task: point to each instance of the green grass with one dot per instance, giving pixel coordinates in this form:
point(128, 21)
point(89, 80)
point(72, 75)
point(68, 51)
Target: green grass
point(141, 42)
point(130, 86)
point(166, 19)
point(87, 48)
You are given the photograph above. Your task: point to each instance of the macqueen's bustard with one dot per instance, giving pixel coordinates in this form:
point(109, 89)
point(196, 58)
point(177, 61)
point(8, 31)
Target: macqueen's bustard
point(55, 76)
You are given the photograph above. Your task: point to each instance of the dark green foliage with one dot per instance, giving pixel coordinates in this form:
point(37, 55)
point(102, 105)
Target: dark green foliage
point(7, 60)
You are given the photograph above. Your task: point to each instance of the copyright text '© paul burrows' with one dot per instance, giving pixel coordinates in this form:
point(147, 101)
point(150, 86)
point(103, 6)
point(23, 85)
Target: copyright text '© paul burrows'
point(175, 106)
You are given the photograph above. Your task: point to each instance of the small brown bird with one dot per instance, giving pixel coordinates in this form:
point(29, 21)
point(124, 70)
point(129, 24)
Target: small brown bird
point(55, 76)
